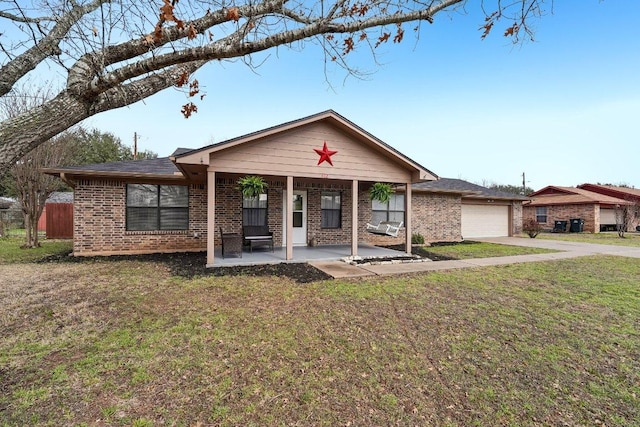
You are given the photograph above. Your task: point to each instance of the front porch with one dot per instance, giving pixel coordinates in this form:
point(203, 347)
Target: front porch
point(302, 254)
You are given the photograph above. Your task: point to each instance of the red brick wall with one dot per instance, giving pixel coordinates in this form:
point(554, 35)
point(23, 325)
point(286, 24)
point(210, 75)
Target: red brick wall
point(590, 213)
point(99, 222)
point(516, 218)
point(100, 217)
point(435, 216)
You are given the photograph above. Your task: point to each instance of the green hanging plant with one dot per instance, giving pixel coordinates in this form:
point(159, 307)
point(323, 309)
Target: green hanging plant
point(381, 192)
point(252, 186)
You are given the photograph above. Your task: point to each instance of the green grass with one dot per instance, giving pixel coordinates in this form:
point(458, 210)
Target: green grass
point(12, 252)
point(469, 249)
point(125, 343)
point(608, 238)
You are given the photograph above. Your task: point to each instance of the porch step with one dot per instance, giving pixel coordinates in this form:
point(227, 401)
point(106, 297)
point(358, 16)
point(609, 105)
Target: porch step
point(340, 270)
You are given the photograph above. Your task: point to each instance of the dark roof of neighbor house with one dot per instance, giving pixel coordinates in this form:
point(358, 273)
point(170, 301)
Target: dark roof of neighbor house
point(60, 197)
point(467, 189)
point(556, 195)
point(6, 202)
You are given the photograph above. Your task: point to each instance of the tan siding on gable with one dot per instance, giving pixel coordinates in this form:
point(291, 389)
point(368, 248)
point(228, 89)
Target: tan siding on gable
point(292, 153)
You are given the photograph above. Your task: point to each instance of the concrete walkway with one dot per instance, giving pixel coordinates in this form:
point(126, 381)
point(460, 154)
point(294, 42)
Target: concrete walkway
point(338, 269)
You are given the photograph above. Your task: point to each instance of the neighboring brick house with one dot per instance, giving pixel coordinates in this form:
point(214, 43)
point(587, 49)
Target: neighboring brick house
point(318, 171)
point(597, 211)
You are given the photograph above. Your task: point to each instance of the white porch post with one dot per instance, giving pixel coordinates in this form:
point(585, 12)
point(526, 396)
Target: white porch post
point(354, 217)
point(407, 215)
point(211, 216)
point(289, 212)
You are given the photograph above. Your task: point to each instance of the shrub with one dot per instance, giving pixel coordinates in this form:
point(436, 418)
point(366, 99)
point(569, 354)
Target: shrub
point(531, 227)
point(417, 239)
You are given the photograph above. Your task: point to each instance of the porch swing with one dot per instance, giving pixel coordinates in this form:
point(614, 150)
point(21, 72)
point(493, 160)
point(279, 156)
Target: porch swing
point(386, 228)
point(381, 192)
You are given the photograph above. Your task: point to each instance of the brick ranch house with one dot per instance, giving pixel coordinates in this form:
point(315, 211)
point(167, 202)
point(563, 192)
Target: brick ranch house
point(318, 170)
point(596, 208)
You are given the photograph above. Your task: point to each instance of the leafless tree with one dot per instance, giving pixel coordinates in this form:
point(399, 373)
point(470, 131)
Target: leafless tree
point(112, 53)
point(34, 187)
point(31, 186)
point(627, 214)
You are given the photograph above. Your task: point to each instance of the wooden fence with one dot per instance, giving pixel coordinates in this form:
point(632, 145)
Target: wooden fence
point(59, 217)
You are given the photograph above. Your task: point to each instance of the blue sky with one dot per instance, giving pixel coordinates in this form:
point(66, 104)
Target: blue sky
point(564, 109)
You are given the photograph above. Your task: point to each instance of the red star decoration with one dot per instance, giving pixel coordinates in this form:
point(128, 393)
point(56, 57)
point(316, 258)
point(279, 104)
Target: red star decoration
point(325, 154)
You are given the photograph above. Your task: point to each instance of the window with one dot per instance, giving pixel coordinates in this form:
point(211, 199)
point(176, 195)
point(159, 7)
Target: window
point(541, 214)
point(157, 207)
point(391, 211)
point(331, 210)
point(254, 210)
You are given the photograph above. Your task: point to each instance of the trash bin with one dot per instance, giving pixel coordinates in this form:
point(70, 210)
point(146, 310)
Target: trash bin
point(560, 226)
point(576, 225)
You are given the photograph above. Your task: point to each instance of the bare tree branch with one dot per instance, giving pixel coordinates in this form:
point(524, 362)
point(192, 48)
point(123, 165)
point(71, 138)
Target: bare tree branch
point(113, 54)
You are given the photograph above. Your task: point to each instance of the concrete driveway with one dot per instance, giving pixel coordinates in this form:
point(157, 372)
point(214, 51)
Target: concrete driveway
point(339, 269)
point(573, 247)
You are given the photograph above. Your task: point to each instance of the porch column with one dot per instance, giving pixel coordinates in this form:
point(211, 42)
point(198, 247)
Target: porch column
point(211, 216)
point(289, 212)
point(354, 217)
point(407, 215)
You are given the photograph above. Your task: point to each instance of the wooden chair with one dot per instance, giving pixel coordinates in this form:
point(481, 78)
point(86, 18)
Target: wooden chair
point(231, 244)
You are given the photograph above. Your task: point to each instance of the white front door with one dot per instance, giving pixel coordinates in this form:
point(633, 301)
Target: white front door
point(299, 207)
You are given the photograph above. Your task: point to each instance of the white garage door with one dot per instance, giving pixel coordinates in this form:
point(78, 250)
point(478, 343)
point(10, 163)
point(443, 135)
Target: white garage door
point(607, 216)
point(485, 221)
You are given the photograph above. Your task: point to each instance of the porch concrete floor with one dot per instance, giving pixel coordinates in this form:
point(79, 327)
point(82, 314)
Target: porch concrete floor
point(263, 255)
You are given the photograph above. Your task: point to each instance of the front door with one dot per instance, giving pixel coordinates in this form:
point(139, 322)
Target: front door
point(299, 207)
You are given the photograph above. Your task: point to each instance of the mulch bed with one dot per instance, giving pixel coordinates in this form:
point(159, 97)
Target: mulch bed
point(191, 264)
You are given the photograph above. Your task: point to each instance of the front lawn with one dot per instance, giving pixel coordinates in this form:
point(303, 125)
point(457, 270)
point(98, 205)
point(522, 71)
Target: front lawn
point(608, 238)
point(127, 343)
point(471, 249)
point(11, 251)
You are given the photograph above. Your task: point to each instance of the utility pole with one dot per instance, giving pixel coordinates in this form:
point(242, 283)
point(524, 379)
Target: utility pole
point(135, 146)
point(524, 185)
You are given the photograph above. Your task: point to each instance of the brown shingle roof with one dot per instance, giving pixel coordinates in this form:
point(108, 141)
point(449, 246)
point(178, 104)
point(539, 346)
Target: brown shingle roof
point(571, 196)
point(467, 189)
point(613, 190)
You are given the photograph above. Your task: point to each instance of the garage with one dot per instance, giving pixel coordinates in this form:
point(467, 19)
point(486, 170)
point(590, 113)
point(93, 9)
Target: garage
point(485, 221)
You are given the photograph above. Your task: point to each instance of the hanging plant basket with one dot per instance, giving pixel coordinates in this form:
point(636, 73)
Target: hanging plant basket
point(381, 192)
point(252, 186)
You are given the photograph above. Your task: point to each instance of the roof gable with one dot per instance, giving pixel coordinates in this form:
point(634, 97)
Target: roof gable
point(339, 133)
point(553, 190)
